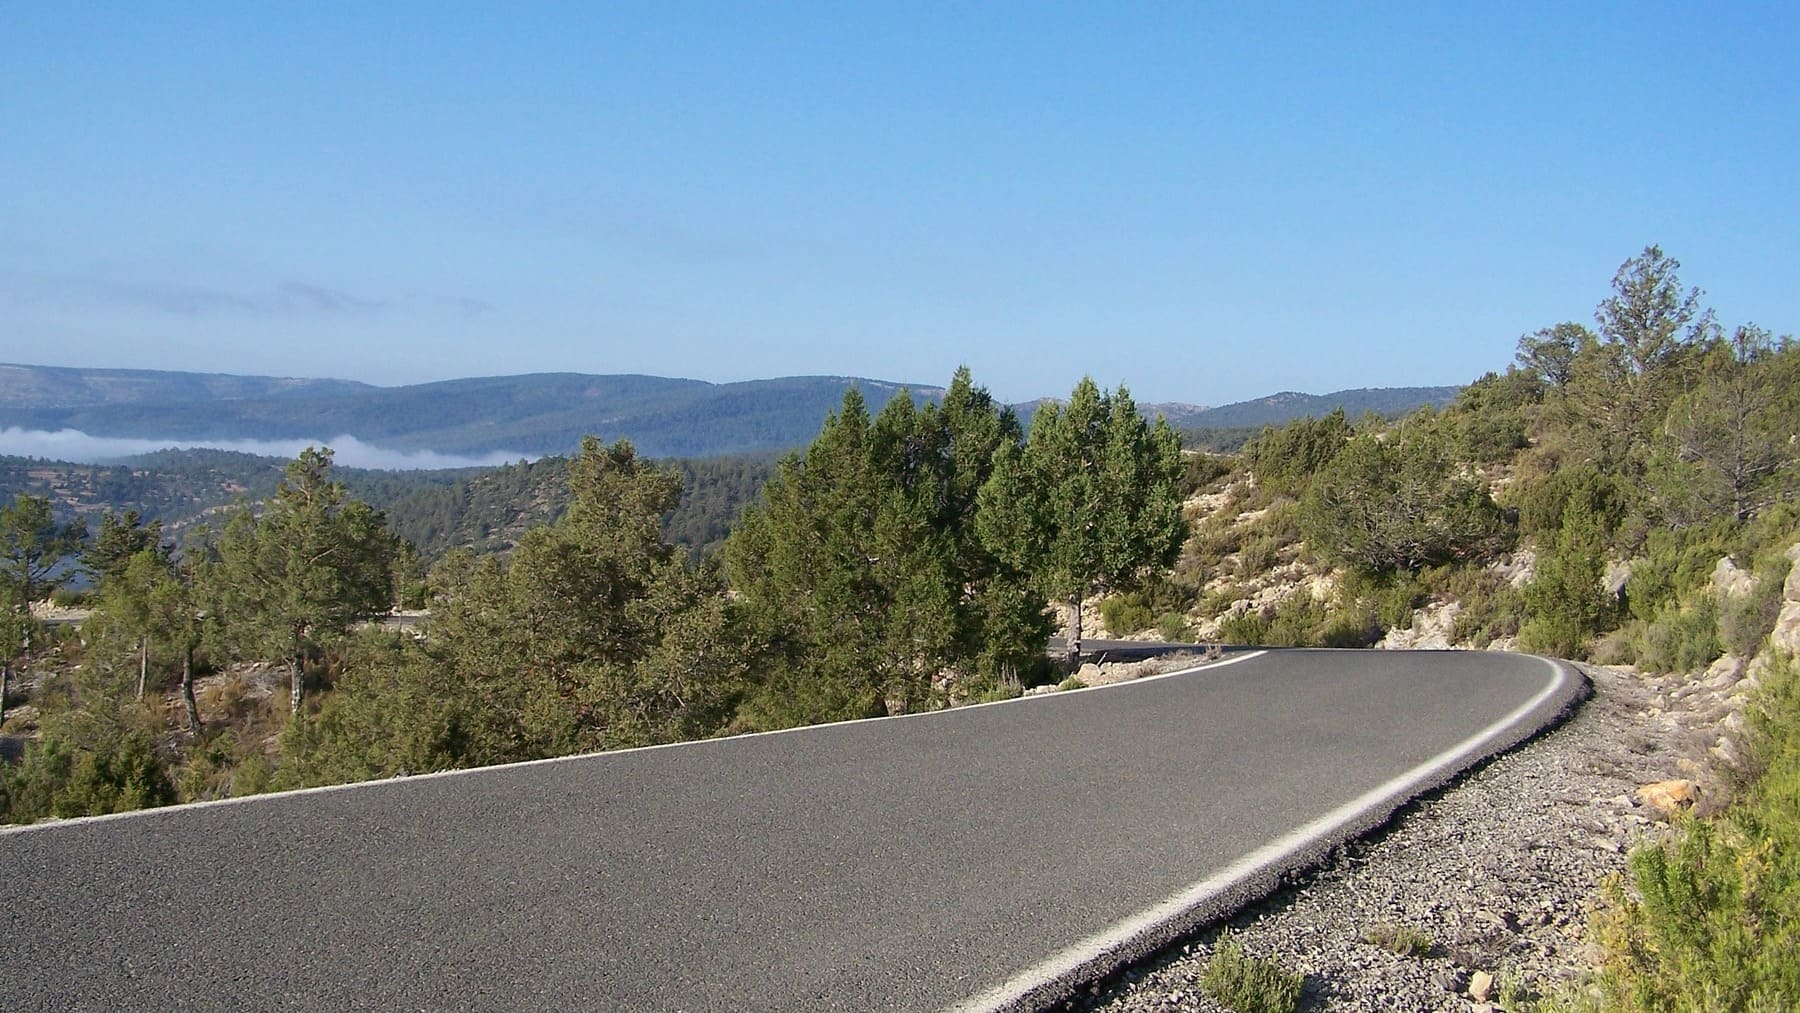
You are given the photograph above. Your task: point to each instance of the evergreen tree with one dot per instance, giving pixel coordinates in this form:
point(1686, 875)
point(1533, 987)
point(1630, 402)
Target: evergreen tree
point(1400, 503)
point(121, 536)
point(312, 565)
point(1734, 428)
point(1091, 503)
point(33, 546)
point(862, 568)
point(594, 634)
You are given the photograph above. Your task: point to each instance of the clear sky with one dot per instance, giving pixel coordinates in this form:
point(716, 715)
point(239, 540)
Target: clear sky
point(1210, 202)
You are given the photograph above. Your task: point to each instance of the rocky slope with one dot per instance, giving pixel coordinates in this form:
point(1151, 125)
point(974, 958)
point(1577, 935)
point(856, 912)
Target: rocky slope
point(1500, 869)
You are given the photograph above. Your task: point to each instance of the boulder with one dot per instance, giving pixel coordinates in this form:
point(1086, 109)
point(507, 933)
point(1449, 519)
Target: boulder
point(1729, 581)
point(1669, 797)
point(1481, 986)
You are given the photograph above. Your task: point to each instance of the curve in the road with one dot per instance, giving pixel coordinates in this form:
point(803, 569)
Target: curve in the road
point(984, 857)
point(1255, 874)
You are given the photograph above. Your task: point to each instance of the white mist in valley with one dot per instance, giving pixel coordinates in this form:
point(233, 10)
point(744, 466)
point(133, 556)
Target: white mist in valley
point(76, 446)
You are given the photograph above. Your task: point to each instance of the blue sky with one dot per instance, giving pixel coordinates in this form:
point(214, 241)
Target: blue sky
point(1209, 202)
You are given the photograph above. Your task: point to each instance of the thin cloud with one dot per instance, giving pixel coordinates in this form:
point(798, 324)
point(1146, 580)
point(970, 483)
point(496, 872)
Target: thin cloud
point(287, 298)
point(302, 296)
point(78, 447)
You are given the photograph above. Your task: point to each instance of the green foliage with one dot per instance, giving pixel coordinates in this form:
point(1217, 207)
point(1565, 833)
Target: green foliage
point(298, 576)
point(33, 545)
point(1745, 621)
point(1400, 503)
point(1091, 502)
point(1547, 357)
point(1396, 938)
point(1488, 420)
point(1301, 621)
point(125, 776)
point(1070, 683)
point(1681, 638)
point(1731, 430)
point(121, 536)
point(1249, 984)
point(1566, 602)
point(862, 571)
point(1173, 628)
point(1202, 470)
point(594, 634)
point(1284, 459)
point(1706, 920)
point(95, 753)
point(1491, 609)
point(1126, 614)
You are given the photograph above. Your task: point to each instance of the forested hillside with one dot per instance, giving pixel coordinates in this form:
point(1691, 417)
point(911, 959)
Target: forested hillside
point(901, 563)
point(529, 416)
point(486, 509)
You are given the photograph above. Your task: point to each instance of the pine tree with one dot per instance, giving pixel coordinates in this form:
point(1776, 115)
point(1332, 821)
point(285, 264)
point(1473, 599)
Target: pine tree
point(312, 565)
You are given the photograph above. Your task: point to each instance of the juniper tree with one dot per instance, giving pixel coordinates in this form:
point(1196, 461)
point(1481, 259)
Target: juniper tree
point(1090, 503)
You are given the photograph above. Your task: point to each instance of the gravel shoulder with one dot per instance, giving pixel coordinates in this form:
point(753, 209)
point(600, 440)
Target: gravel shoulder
point(1498, 869)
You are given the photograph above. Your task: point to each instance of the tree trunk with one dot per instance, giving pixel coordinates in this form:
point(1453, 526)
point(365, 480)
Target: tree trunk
point(5, 684)
point(1072, 654)
point(187, 690)
point(294, 676)
point(143, 664)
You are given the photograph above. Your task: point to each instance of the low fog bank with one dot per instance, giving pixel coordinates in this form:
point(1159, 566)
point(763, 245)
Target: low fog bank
point(77, 446)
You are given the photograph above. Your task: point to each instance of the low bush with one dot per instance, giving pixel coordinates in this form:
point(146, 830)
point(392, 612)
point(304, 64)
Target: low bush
point(1126, 613)
point(1404, 940)
point(1249, 984)
point(1681, 639)
point(69, 597)
point(1706, 919)
point(1260, 554)
point(1173, 627)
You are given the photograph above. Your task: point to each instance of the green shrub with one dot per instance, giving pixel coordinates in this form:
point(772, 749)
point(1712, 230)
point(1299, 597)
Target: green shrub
point(1281, 521)
point(1259, 555)
point(1249, 984)
point(69, 597)
point(1173, 627)
point(1126, 613)
point(1202, 470)
point(1213, 540)
point(1404, 940)
point(1353, 626)
point(1675, 564)
point(126, 777)
point(1249, 627)
point(1398, 602)
point(1070, 683)
point(1706, 920)
point(1490, 607)
point(1681, 639)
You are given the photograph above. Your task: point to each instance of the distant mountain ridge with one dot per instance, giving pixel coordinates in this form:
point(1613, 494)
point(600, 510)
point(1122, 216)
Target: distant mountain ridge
point(1289, 405)
point(531, 414)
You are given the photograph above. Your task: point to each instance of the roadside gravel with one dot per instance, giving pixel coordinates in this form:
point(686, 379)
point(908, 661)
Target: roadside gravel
point(1498, 869)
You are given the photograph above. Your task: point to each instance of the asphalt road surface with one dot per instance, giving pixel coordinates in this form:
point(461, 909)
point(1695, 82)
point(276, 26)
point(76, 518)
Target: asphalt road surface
point(985, 857)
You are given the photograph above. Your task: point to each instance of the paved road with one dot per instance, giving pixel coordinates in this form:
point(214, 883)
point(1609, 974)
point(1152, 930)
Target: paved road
point(978, 857)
